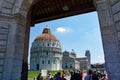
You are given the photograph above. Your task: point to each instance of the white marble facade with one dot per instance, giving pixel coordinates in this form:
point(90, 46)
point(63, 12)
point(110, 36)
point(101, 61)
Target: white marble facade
point(46, 52)
point(69, 61)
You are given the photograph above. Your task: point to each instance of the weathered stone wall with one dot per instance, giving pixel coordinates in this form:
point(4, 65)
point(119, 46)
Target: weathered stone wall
point(13, 39)
point(115, 9)
point(7, 6)
point(15, 6)
point(109, 17)
point(3, 45)
point(12, 34)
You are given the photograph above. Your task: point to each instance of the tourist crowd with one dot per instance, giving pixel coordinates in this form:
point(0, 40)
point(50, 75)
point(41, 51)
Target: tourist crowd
point(75, 75)
point(95, 75)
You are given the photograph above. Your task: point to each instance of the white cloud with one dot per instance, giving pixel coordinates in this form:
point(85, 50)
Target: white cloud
point(62, 30)
point(99, 57)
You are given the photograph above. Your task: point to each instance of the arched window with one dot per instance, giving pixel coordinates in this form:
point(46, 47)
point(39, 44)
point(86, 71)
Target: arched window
point(53, 44)
point(54, 61)
point(70, 66)
point(66, 65)
point(43, 62)
point(48, 61)
point(37, 66)
point(54, 53)
point(48, 44)
point(47, 53)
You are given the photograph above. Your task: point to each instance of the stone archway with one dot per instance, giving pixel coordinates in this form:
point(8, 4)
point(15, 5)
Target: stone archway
point(14, 37)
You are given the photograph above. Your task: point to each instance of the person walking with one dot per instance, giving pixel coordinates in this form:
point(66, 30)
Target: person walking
point(89, 75)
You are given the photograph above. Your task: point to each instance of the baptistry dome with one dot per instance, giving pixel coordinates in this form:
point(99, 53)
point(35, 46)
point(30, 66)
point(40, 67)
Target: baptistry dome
point(46, 35)
point(47, 41)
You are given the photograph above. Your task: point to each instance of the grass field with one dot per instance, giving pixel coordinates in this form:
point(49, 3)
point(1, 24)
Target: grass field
point(33, 74)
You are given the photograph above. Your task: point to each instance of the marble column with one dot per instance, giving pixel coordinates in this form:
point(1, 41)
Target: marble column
point(109, 38)
point(12, 47)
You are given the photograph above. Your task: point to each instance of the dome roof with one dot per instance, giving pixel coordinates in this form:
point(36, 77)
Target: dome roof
point(73, 52)
point(46, 35)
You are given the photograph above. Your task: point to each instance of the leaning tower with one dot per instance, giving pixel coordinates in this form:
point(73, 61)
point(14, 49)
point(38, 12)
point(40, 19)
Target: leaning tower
point(87, 54)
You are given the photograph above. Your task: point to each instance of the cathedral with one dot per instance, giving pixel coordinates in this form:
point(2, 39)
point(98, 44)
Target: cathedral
point(46, 53)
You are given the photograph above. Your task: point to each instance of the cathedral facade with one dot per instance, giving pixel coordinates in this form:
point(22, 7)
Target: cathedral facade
point(69, 60)
point(46, 53)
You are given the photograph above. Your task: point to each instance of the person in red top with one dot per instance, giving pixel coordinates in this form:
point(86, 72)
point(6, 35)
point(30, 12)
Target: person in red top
point(81, 74)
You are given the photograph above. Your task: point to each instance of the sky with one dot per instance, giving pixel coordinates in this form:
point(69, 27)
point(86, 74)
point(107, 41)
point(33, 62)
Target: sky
point(79, 32)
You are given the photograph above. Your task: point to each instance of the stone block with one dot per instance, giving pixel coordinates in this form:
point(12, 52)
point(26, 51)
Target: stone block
point(104, 15)
point(117, 25)
point(17, 62)
point(16, 76)
point(10, 51)
point(2, 55)
point(3, 42)
point(21, 28)
point(118, 34)
point(4, 25)
point(2, 49)
point(110, 49)
point(113, 68)
point(17, 68)
point(7, 5)
point(8, 65)
point(112, 58)
point(6, 11)
point(3, 31)
point(3, 37)
point(19, 56)
point(0, 76)
point(6, 75)
point(20, 36)
point(11, 1)
point(117, 16)
point(1, 61)
point(116, 8)
point(1, 68)
point(112, 2)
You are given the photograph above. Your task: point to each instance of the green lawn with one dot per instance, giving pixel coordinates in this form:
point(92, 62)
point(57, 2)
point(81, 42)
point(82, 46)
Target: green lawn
point(32, 74)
